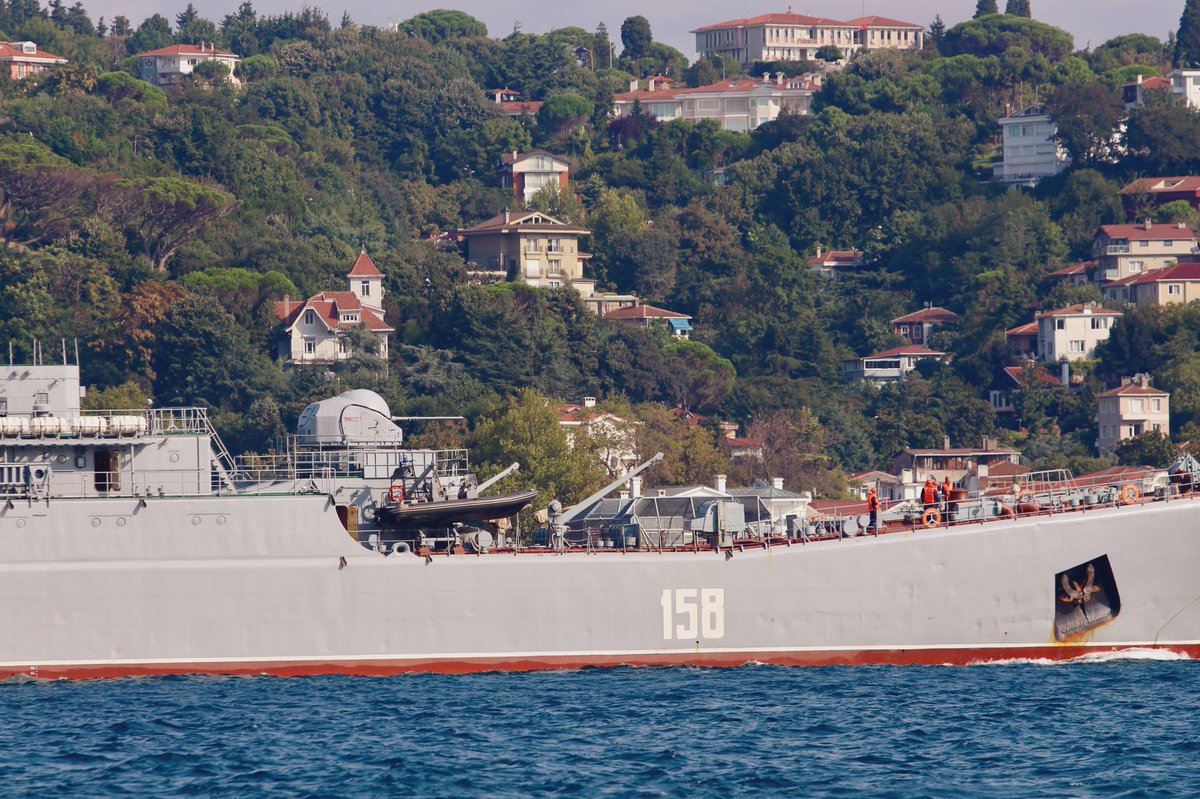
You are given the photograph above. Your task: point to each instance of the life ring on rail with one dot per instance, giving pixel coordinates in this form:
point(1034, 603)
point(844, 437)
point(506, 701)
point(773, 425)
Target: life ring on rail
point(932, 517)
point(396, 493)
point(1130, 494)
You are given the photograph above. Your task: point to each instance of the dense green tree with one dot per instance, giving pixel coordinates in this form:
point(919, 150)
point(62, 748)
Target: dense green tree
point(1163, 138)
point(636, 37)
point(164, 212)
point(440, 25)
point(1018, 8)
point(995, 35)
point(153, 33)
point(1148, 449)
point(1187, 40)
point(1086, 116)
point(985, 7)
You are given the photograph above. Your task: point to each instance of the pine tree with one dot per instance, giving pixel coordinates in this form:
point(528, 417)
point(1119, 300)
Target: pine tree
point(985, 7)
point(1018, 8)
point(1187, 41)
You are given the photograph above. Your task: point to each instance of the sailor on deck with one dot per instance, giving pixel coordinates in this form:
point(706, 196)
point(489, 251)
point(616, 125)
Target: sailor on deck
point(929, 494)
point(873, 507)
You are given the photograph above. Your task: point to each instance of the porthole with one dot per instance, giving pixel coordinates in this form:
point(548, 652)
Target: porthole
point(221, 520)
point(95, 522)
point(20, 524)
point(173, 457)
point(120, 521)
point(195, 521)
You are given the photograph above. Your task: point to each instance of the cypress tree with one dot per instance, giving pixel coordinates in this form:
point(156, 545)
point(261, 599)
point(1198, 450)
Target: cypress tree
point(1018, 8)
point(985, 7)
point(1187, 41)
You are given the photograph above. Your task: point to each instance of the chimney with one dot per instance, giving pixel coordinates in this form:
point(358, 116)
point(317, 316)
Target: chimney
point(506, 216)
point(766, 77)
point(1126, 381)
point(1147, 224)
point(989, 443)
point(1181, 225)
point(287, 305)
point(633, 84)
point(650, 84)
point(778, 78)
point(635, 487)
point(1142, 379)
point(1139, 80)
point(945, 442)
point(721, 483)
point(777, 483)
point(589, 402)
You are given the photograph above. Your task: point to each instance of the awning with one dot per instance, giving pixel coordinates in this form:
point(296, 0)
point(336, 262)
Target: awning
point(680, 325)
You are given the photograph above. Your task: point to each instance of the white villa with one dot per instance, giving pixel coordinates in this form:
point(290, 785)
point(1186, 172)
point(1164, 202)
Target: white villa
point(1072, 333)
point(797, 37)
point(614, 436)
point(738, 105)
point(167, 65)
point(315, 331)
point(1030, 151)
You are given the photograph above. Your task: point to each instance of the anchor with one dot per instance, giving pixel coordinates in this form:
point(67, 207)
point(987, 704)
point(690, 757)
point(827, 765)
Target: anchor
point(1080, 594)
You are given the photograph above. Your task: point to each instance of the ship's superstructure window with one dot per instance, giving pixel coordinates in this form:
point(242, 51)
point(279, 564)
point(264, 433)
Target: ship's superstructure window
point(3, 406)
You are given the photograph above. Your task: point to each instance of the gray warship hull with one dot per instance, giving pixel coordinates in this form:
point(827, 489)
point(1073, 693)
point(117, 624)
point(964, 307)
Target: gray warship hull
point(274, 584)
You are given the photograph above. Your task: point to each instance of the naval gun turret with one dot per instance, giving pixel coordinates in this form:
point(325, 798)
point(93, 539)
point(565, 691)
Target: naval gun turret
point(353, 418)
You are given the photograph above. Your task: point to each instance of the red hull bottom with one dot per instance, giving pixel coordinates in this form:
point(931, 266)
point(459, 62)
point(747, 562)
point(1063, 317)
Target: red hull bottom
point(387, 668)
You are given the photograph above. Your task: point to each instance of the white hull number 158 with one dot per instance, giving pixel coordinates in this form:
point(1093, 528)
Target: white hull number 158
point(691, 613)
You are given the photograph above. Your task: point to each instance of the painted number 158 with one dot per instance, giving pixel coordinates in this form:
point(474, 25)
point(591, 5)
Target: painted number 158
point(691, 613)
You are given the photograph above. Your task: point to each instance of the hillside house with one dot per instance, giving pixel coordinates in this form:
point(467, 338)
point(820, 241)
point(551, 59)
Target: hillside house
point(1072, 333)
point(1076, 274)
point(1170, 286)
point(678, 325)
point(1022, 340)
point(1030, 151)
point(918, 326)
point(1005, 389)
point(527, 247)
point(1129, 410)
point(514, 107)
point(955, 463)
point(738, 105)
point(1153, 192)
point(1135, 93)
point(317, 330)
point(614, 435)
point(1185, 86)
point(797, 37)
point(166, 66)
point(24, 59)
point(526, 173)
point(889, 366)
point(830, 262)
point(1125, 250)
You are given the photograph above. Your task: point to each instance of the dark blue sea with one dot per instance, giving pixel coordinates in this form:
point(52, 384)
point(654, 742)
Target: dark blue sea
point(1117, 728)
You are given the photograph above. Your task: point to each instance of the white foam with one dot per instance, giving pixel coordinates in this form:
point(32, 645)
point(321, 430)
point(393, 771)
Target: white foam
point(1106, 656)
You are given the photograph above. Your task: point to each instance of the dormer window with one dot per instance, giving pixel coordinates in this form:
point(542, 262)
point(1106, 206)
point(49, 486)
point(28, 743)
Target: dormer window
point(365, 288)
point(310, 317)
point(349, 317)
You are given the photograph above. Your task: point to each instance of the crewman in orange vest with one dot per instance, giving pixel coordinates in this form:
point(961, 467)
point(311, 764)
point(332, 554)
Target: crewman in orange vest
point(873, 507)
point(929, 493)
point(946, 486)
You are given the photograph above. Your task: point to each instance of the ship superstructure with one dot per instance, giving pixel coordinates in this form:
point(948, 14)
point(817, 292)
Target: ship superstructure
point(132, 543)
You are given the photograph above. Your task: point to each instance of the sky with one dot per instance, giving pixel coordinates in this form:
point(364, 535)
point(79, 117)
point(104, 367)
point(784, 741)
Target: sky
point(1089, 21)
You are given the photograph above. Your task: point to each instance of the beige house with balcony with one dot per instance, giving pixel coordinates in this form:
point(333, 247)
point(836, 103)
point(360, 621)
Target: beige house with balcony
point(1123, 251)
point(527, 247)
point(1072, 333)
point(1171, 286)
point(1129, 410)
point(797, 37)
point(527, 173)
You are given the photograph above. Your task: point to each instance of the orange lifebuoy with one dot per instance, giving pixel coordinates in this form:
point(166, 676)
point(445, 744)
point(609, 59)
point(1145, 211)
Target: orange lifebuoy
point(396, 493)
point(1130, 494)
point(932, 517)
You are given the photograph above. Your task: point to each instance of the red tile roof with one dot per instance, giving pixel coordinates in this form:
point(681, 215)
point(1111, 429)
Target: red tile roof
point(644, 312)
point(882, 22)
point(522, 221)
point(581, 414)
point(836, 257)
point(740, 85)
point(1074, 269)
point(1181, 272)
point(187, 49)
point(772, 19)
point(688, 417)
point(10, 53)
point(364, 267)
point(1184, 183)
point(1017, 373)
point(934, 314)
point(515, 108)
point(1154, 82)
point(646, 95)
point(1007, 469)
point(1151, 233)
point(743, 443)
point(905, 350)
point(1133, 389)
point(1079, 309)
point(329, 306)
point(1027, 329)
